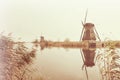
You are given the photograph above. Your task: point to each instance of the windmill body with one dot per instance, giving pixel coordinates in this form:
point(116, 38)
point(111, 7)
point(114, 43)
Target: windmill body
point(88, 33)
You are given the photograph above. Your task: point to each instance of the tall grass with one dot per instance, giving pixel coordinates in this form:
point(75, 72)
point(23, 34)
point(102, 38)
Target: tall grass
point(15, 60)
point(108, 61)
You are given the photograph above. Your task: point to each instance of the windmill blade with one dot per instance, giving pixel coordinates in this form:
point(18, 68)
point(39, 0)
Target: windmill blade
point(82, 31)
point(83, 58)
point(84, 66)
point(83, 24)
point(86, 73)
point(97, 35)
point(81, 34)
point(82, 55)
point(85, 16)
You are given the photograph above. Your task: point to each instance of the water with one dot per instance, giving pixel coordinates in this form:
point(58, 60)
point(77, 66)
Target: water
point(60, 63)
point(64, 64)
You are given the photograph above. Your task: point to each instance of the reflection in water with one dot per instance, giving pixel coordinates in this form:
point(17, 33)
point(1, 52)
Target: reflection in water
point(57, 64)
point(89, 56)
point(20, 62)
point(88, 34)
point(88, 62)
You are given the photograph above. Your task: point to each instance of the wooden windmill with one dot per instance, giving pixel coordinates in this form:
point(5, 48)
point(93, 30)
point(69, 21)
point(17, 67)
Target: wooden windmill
point(89, 33)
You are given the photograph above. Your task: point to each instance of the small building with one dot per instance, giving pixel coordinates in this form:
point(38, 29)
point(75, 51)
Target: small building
point(42, 39)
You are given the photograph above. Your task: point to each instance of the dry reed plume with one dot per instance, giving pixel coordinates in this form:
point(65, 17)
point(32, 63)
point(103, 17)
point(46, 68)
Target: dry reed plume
point(108, 61)
point(15, 60)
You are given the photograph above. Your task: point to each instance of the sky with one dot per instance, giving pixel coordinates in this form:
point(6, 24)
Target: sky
point(59, 19)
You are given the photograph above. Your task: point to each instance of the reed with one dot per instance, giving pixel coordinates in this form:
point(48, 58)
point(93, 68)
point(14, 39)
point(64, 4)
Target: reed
point(108, 61)
point(15, 60)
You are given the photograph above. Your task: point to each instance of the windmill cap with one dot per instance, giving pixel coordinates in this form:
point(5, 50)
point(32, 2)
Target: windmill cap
point(89, 24)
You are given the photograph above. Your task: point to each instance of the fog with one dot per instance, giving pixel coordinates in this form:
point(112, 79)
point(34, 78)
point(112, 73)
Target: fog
point(58, 19)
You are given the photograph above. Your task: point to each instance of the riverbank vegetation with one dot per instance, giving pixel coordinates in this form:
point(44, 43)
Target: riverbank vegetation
point(108, 61)
point(16, 60)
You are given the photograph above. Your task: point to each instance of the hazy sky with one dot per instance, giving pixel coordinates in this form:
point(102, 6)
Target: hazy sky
point(58, 19)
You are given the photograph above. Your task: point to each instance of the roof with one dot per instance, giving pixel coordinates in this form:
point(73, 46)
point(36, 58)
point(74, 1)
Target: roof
point(89, 24)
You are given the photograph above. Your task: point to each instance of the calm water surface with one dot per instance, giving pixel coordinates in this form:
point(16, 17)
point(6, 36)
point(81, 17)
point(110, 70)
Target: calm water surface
point(63, 64)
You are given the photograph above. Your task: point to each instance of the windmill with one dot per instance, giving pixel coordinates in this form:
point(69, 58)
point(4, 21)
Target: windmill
point(89, 33)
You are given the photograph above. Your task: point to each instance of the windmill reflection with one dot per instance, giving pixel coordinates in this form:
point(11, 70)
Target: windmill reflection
point(90, 35)
point(89, 56)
